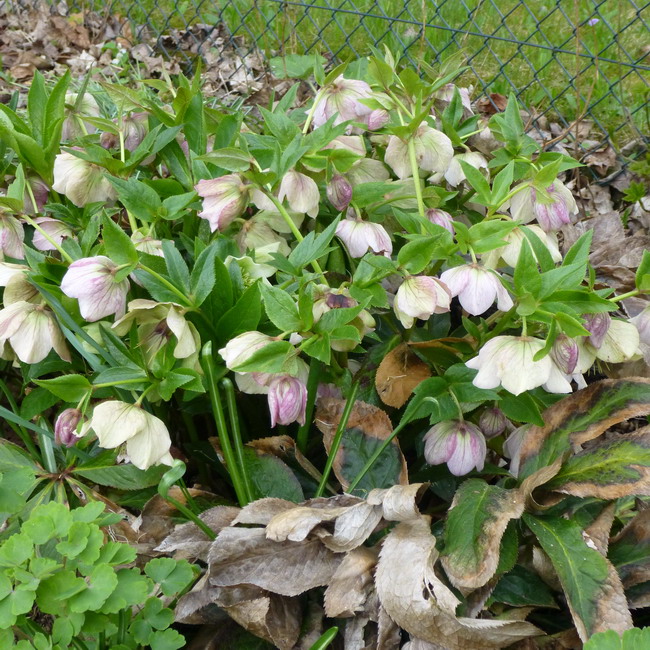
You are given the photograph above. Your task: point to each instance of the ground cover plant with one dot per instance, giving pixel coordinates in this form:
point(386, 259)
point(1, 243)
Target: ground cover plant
point(343, 371)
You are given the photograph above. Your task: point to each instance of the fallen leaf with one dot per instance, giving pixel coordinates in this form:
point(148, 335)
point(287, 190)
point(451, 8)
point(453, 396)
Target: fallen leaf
point(398, 503)
point(260, 512)
point(348, 590)
point(493, 103)
point(399, 372)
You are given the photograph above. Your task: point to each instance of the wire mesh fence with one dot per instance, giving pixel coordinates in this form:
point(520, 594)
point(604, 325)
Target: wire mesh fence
point(567, 60)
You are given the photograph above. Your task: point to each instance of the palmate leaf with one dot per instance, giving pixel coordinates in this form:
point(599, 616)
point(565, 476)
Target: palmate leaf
point(635, 639)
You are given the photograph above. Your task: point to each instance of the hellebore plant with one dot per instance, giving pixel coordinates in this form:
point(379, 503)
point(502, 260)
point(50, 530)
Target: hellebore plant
point(341, 293)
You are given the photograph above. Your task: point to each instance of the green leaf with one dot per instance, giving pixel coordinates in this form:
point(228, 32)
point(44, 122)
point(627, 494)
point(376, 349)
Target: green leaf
point(244, 316)
point(15, 488)
point(172, 575)
point(476, 523)
point(521, 408)
point(416, 255)
point(281, 309)
point(270, 358)
point(313, 246)
point(643, 273)
point(523, 588)
point(634, 639)
point(295, 66)
point(16, 550)
point(176, 266)
point(103, 471)
point(167, 640)
point(137, 197)
point(117, 243)
point(582, 571)
point(271, 477)
point(69, 388)
point(229, 158)
point(204, 275)
point(527, 278)
point(132, 589)
point(100, 585)
point(36, 402)
point(13, 457)
point(478, 183)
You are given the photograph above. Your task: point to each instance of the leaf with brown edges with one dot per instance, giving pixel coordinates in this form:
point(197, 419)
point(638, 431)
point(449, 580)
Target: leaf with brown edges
point(399, 373)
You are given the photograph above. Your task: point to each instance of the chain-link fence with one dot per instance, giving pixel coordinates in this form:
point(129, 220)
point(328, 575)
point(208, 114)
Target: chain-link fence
point(567, 60)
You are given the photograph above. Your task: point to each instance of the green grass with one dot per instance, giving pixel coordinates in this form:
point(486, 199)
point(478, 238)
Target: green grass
point(292, 27)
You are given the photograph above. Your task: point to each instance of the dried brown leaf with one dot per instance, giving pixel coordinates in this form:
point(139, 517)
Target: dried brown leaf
point(398, 374)
point(261, 512)
point(297, 523)
point(399, 503)
point(353, 527)
point(348, 590)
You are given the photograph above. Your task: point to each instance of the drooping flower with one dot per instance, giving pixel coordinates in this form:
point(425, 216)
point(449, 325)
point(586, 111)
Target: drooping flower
point(81, 181)
point(301, 193)
point(65, 427)
point(56, 230)
point(433, 152)
point(620, 343)
point(242, 347)
point(455, 174)
point(367, 170)
point(420, 297)
point(40, 190)
point(342, 99)
point(12, 236)
point(492, 422)
point(441, 218)
point(458, 443)
point(512, 447)
point(642, 323)
point(224, 199)
point(158, 323)
point(598, 325)
point(508, 361)
point(92, 281)
point(74, 126)
point(146, 244)
point(339, 192)
point(134, 127)
point(257, 235)
point(146, 436)
point(360, 236)
point(565, 353)
point(527, 205)
point(445, 95)
point(32, 331)
point(477, 288)
point(287, 400)
point(515, 240)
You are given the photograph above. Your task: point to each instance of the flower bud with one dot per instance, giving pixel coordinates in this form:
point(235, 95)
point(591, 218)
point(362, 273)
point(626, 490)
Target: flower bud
point(224, 199)
point(492, 422)
point(339, 192)
point(420, 297)
point(377, 119)
point(135, 127)
point(359, 236)
point(597, 324)
point(287, 400)
point(242, 347)
point(301, 193)
point(65, 427)
point(512, 447)
point(458, 443)
point(552, 214)
point(441, 218)
point(565, 354)
point(81, 181)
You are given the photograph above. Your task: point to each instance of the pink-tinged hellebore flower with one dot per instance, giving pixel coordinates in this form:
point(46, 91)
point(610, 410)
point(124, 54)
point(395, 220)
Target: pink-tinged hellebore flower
point(526, 205)
point(477, 288)
point(458, 443)
point(339, 192)
point(242, 347)
point(492, 422)
point(361, 236)
point(441, 218)
point(508, 361)
point(81, 181)
point(32, 331)
point(301, 193)
point(512, 447)
point(598, 325)
point(445, 95)
point(342, 98)
point(420, 296)
point(12, 236)
point(56, 230)
point(92, 281)
point(287, 400)
point(620, 343)
point(455, 174)
point(74, 126)
point(511, 251)
point(224, 199)
point(146, 244)
point(642, 323)
point(40, 190)
point(135, 127)
point(565, 353)
point(146, 436)
point(65, 427)
point(13, 277)
point(433, 152)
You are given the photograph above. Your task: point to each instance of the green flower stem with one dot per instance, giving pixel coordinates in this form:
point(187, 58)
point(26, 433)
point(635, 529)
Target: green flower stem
point(45, 443)
point(120, 382)
point(336, 442)
point(166, 282)
point(415, 170)
point(207, 363)
point(312, 110)
point(315, 368)
point(34, 225)
point(624, 296)
point(18, 428)
point(325, 639)
point(518, 188)
point(191, 517)
point(236, 435)
point(461, 415)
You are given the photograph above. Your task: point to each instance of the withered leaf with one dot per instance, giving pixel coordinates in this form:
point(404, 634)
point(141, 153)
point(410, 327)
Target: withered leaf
point(476, 522)
point(352, 527)
point(398, 503)
point(245, 556)
point(399, 372)
point(260, 512)
point(580, 417)
point(297, 523)
point(348, 590)
point(418, 602)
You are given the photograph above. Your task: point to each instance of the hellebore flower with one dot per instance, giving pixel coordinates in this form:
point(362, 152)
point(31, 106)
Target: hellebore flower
point(13, 277)
point(134, 127)
point(342, 98)
point(565, 353)
point(146, 244)
point(620, 343)
point(526, 206)
point(301, 193)
point(455, 174)
point(74, 125)
point(56, 230)
point(642, 323)
point(12, 236)
point(598, 325)
point(420, 297)
point(65, 427)
point(458, 443)
point(81, 181)
point(339, 192)
point(257, 235)
point(512, 447)
point(287, 400)
point(242, 347)
point(492, 422)
point(433, 152)
point(157, 323)
point(367, 170)
point(441, 218)
point(146, 436)
point(224, 199)
point(511, 251)
point(477, 288)
point(508, 361)
point(360, 236)
point(92, 281)
point(32, 331)
point(40, 190)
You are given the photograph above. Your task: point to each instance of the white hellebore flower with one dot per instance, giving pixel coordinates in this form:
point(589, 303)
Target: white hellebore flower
point(56, 230)
point(301, 193)
point(81, 181)
point(420, 297)
point(242, 347)
point(477, 288)
point(341, 99)
point(360, 236)
point(511, 251)
point(11, 236)
point(455, 174)
point(146, 436)
point(92, 281)
point(74, 126)
point(508, 361)
point(526, 205)
point(621, 342)
point(433, 152)
point(224, 199)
